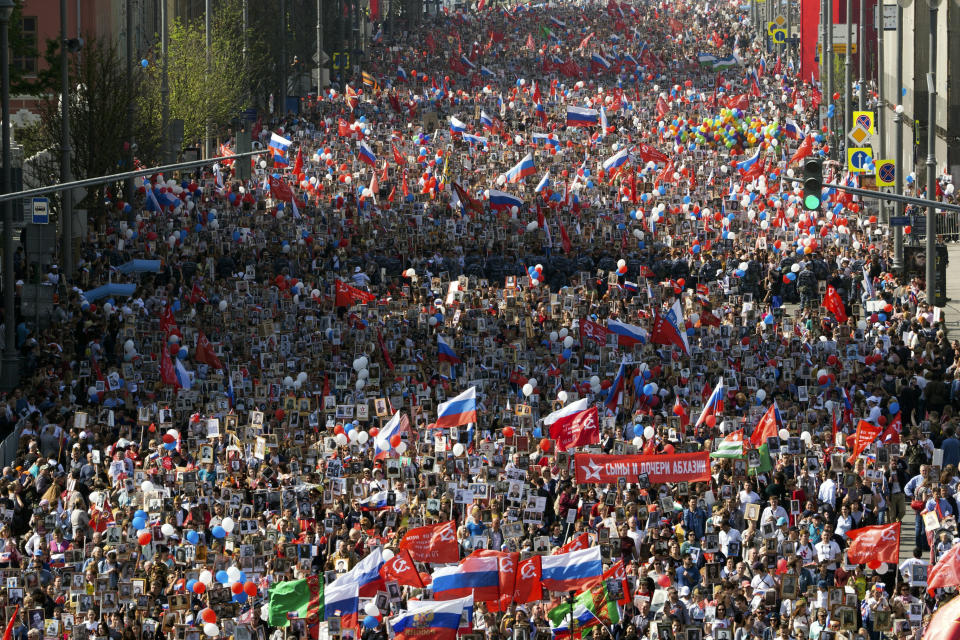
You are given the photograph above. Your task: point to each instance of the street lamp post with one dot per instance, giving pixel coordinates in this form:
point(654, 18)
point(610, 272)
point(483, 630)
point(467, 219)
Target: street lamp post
point(847, 78)
point(931, 154)
point(11, 365)
point(881, 105)
point(164, 83)
point(898, 119)
point(319, 49)
point(65, 151)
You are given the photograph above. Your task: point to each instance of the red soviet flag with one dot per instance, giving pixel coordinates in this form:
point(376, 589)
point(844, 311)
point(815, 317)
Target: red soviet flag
point(205, 353)
point(576, 430)
point(581, 541)
point(433, 543)
point(507, 569)
point(591, 330)
point(348, 296)
point(402, 569)
point(615, 572)
point(527, 586)
point(946, 573)
point(833, 304)
point(280, 190)
point(167, 373)
point(878, 543)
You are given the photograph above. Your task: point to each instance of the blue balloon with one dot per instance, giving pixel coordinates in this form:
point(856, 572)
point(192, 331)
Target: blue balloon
point(586, 173)
point(739, 273)
point(140, 513)
point(240, 598)
point(894, 408)
point(182, 354)
point(169, 446)
point(243, 577)
point(222, 577)
point(882, 317)
point(139, 523)
point(791, 276)
point(696, 248)
point(219, 532)
point(931, 504)
point(566, 354)
point(144, 63)
point(190, 585)
point(768, 319)
point(648, 389)
point(193, 537)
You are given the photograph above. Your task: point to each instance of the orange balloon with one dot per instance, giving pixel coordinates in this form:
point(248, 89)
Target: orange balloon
point(208, 615)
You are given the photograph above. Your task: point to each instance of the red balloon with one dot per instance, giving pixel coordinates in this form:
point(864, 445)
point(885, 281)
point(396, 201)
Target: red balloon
point(395, 440)
point(668, 448)
point(250, 588)
point(338, 429)
point(199, 588)
point(711, 421)
point(782, 565)
point(374, 431)
point(508, 432)
point(236, 588)
point(167, 438)
point(874, 564)
point(545, 445)
point(144, 538)
point(208, 615)
point(664, 581)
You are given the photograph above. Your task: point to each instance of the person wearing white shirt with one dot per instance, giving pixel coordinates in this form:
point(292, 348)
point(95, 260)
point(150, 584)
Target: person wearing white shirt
point(773, 512)
point(747, 495)
point(827, 549)
point(828, 492)
point(906, 567)
point(727, 535)
point(761, 583)
point(844, 521)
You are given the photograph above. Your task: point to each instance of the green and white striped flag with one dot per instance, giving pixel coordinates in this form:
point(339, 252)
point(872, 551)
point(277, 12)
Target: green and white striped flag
point(730, 447)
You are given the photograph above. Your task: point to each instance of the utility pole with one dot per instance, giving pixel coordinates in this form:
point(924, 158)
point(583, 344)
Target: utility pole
point(207, 139)
point(861, 54)
point(881, 105)
point(283, 58)
point(246, 74)
point(319, 48)
point(829, 55)
point(164, 83)
point(128, 184)
point(898, 119)
point(848, 79)
point(65, 151)
point(931, 155)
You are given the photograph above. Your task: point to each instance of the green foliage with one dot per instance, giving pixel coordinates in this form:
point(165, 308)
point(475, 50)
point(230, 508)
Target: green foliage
point(22, 46)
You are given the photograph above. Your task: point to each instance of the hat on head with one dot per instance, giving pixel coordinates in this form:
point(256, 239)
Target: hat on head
point(781, 521)
point(684, 591)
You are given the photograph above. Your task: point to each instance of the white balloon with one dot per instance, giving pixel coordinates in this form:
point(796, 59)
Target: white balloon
point(388, 555)
point(533, 382)
point(784, 434)
point(532, 226)
point(371, 609)
point(353, 435)
point(223, 305)
point(882, 569)
point(568, 342)
point(527, 389)
point(211, 630)
point(206, 577)
point(360, 384)
point(562, 396)
point(637, 441)
point(362, 437)
point(648, 432)
point(458, 449)
point(233, 573)
point(167, 529)
point(401, 448)
point(564, 332)
point(553, 336)
point(228, 524)
point(146, 486)
point(761, 395)
point(595, 381)
point(341, 440)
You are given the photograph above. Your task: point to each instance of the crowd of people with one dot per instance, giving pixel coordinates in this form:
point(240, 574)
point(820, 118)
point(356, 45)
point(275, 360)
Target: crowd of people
point(538, 289)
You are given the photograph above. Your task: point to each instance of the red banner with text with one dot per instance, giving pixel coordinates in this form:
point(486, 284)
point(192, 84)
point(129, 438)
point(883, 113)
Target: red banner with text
point(677, 467)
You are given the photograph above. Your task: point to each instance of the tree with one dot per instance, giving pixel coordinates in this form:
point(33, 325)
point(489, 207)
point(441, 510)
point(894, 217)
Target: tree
point(23, 45)
point(100, 126)
point(196, 95)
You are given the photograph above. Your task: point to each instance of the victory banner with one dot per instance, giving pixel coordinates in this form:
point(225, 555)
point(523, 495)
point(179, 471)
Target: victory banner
point(677, 467)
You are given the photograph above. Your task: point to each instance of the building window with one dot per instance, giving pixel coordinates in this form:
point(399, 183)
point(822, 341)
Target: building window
point(28, 65)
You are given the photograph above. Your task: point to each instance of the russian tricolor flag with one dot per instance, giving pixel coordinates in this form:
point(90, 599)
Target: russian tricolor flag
point(521, 170)
point(749, 162)
point(670, 328)
point(465, 60)
point(183, 376)
point(279, 145)
point(570, 571)
point(445, 352)
point(544, 182)
point(627, 334)
point(485, 120)
point(558, 23)
point(466, 602)
point(366, 155)
point(459, 410)
point(342, 600)
point(434, 620)
point(472, 139)
point(600, 60)
point(476, 575)
point(381, 443)
point(486, 72)
point(401, 73)
point(456, 126)
point(378, 502)
point(714, 403)
point(791, 130)
point(546, 138)
point(365, 575)
point(613, 396)
point(617, 160)
point(502, 200)
point(582, 117)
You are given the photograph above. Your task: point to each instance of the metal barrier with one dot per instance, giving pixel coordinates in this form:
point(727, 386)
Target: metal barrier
point(948, 226)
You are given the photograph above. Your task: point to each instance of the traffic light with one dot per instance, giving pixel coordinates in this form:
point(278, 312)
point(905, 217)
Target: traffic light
point(812, 183)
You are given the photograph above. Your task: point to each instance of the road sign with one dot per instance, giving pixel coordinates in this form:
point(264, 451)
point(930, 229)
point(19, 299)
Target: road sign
point(779, 36)
point(858, 158)
point(859, 134)
point(864, 119)
point(770, 27)
point(781, 21)
point(886, 173)
point(889, 17)
point(41, 210)
point(899, 221)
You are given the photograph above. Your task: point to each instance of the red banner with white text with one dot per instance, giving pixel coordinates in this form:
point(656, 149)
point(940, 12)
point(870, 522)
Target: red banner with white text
point(676, 467)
